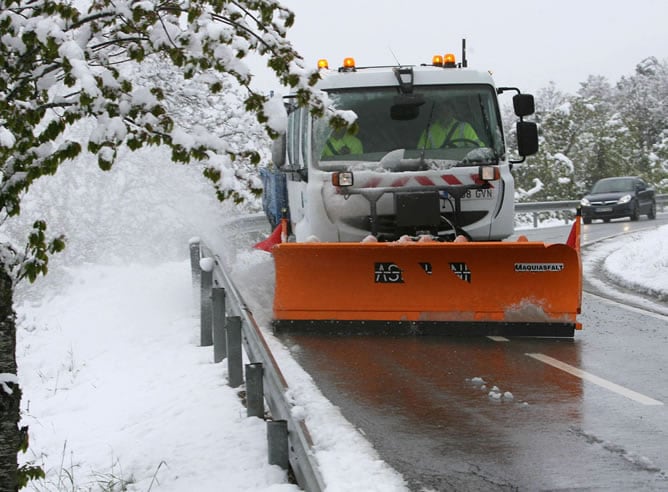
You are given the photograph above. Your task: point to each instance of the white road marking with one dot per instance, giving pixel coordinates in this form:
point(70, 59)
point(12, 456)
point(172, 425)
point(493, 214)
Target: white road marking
point(496, 338)
point(604, 383)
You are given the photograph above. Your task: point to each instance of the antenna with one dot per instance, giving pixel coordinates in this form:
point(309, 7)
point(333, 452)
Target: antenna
point(394, 56)
point(464, 62)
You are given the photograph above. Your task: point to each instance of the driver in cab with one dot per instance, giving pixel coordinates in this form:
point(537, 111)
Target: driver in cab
point(446, 131)
point(342, 142)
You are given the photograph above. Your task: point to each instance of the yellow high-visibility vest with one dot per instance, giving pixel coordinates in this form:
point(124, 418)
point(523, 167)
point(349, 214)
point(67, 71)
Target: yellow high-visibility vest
point(450, 134)
point(348, 144)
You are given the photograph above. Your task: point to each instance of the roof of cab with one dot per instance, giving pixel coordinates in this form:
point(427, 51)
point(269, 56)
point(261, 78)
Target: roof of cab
point(384, 76)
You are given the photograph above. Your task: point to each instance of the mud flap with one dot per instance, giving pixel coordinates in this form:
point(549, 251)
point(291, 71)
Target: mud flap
point(523, 288)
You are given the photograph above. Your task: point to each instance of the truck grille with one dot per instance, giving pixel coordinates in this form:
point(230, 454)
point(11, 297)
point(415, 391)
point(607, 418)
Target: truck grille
point(387, 224)
point(603, 202)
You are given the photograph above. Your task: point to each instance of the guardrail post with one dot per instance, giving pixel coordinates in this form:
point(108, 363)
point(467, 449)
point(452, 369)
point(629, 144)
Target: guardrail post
point(254, 390)
point(194, 261)
point(234, 359)
point(206, 333)
point(535, 220)
point(292, 443)
point(277, 443)
point(218, 306)
point(195, 270)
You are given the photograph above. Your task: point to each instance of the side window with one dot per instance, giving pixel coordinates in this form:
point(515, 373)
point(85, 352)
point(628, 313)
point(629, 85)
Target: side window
point(292, 139)
point(296, 139)
point(305, 132)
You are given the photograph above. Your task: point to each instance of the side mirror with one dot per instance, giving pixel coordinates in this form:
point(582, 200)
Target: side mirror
point(406, 107)
point(278, 151)
point(527, 138)
point(523, 104)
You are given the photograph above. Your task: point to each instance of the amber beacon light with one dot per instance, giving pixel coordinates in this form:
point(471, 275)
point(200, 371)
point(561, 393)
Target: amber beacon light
point(449, 60)
point(349, 62)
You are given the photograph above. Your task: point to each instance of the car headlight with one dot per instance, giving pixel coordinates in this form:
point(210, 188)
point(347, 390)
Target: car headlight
point(584, 202)
point(624, 199)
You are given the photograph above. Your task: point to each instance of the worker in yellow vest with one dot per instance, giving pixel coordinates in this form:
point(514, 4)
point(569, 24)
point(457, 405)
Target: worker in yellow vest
point(446, 131)
point(342, 143)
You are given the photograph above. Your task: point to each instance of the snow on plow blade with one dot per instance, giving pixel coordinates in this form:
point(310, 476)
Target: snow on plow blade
point(505, 288)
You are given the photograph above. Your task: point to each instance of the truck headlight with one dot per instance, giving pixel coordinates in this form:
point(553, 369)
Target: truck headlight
point(342, 178)
point(488, 173)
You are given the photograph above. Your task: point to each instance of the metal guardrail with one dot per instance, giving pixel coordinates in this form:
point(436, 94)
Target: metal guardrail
point(546, 206)
point(300, 451)
point(663, 200)
point(536, 207)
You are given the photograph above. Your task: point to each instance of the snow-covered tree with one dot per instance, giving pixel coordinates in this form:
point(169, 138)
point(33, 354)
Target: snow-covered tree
point(599, 150)
point(557, 133)
point(643, 100)
point(599, 132)
point(63, 64)
point(643, 106)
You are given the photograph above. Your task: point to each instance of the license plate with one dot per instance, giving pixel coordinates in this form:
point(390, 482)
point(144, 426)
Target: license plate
point(604, 209)
point(485, 194)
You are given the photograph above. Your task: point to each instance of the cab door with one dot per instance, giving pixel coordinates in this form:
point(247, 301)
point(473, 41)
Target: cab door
point(645, 196)
point(296, 168)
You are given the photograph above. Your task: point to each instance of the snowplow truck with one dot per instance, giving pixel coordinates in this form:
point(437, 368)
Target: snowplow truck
point(399, 224)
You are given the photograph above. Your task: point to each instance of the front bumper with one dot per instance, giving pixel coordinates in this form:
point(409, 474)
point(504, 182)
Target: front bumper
point(606, 211)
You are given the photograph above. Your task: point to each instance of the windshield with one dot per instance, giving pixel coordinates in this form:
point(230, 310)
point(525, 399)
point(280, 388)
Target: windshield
point(613, 185)
point(435, 127)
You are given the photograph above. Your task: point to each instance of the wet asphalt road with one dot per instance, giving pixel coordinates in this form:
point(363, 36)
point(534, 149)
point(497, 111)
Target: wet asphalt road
point(516, 414)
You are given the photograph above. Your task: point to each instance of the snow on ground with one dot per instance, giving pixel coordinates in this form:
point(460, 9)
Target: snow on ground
point(117, 391)
point(640, 265)
point(643, 263)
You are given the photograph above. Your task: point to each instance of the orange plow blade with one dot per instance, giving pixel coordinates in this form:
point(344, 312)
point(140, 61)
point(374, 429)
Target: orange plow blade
point(513, 288)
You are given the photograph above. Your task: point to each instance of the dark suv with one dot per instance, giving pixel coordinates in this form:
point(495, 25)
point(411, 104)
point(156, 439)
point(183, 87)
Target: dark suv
point(625, 196)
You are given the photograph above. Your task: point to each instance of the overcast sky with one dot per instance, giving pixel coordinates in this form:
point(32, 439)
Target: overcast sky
point(525, 43)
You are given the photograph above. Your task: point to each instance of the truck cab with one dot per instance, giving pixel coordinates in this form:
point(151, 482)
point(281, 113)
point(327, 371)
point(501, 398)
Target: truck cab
point(402, 170)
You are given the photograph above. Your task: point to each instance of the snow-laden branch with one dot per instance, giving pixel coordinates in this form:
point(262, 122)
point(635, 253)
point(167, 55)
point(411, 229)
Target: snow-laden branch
point(6, 379)
point(65, 65)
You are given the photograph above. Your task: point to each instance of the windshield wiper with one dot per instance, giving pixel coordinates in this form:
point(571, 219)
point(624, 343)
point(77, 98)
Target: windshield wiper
point(395, 161)
point(480, 156)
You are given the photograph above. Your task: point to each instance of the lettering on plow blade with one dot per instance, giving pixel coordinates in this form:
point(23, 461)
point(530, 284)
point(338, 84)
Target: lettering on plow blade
point(388, 273)
point(462, 271)
point(539, 267)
